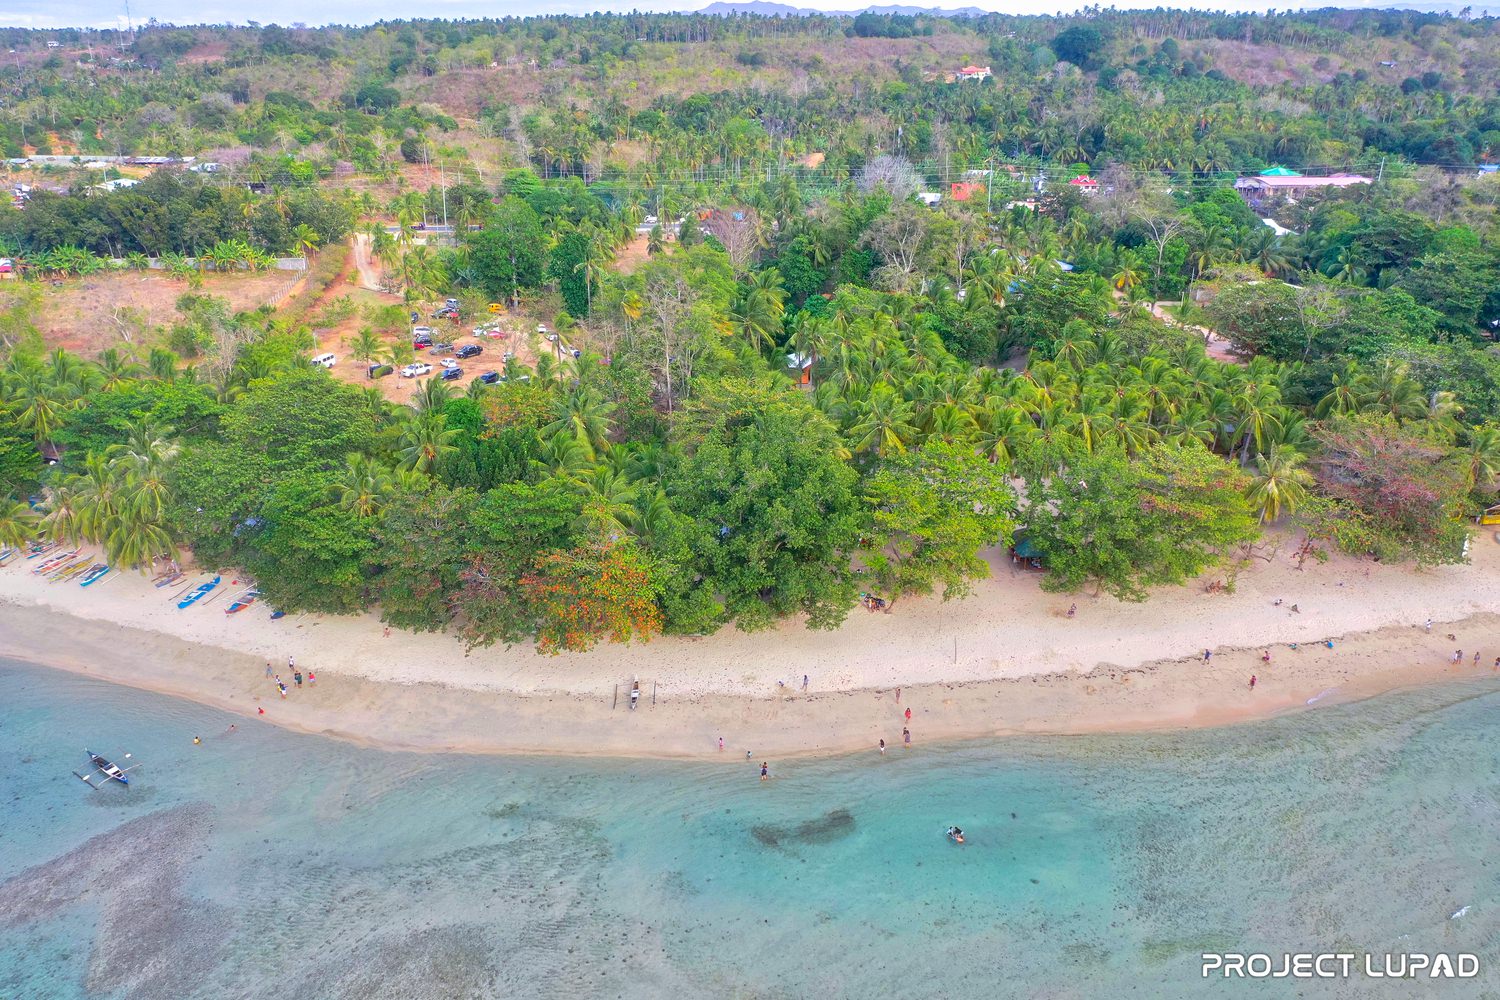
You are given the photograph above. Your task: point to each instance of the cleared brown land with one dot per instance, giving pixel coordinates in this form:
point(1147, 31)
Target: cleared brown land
point(88, 315)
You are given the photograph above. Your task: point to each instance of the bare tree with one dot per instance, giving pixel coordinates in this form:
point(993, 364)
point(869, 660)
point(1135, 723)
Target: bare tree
point(894, 173)
point(1162, 230)
point(739, 230)
point(902, 237)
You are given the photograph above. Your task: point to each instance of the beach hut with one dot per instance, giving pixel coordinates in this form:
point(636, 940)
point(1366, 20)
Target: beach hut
point(1023, 553)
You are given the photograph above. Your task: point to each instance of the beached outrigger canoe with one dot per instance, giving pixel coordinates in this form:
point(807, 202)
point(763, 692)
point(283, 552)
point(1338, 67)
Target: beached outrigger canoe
point(53, 561)
point(104, 771)
point(242, 602)
point(94, 574)
point(195, 595)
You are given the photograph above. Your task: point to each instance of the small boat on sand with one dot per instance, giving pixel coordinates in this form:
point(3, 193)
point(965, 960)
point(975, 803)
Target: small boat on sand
point(242, 602)
point(69, 570)
point(197, 594)
point(94, 574)
point(53, 561)
point(167, 581)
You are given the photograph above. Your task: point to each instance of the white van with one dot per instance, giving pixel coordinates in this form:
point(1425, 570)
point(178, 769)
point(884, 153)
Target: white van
point(326, 360)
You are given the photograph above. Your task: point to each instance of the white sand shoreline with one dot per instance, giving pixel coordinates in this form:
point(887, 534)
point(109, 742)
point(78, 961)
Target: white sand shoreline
point(1007, 660)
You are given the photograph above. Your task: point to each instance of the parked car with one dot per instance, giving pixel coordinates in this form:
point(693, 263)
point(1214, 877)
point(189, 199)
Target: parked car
point(420, 331)
point(450, 303)
point(449, 374)
point(468, 351)
point(413, 370)
point(445, 313)
point(325, 360)
point(7, 265)
point(441, 348)
point(379, 371)
point(449, 363)
point(490, 378)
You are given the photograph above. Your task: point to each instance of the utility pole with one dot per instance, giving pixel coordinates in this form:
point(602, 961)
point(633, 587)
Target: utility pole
point(989, 190)
point(1380, 174)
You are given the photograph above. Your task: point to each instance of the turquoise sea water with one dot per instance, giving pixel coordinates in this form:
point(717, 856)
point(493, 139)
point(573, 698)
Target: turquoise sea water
point(267, 864)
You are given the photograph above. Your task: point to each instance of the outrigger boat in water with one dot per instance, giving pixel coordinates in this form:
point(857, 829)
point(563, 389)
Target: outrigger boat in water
point(104, 771)
point(194, 596)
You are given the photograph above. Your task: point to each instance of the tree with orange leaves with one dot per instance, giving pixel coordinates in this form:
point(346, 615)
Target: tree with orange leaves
point(601, 589)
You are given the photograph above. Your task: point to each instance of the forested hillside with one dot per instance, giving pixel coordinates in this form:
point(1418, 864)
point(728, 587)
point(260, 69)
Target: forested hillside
point(828, 307)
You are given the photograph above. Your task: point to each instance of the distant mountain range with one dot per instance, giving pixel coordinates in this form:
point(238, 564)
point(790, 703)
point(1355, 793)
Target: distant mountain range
point(765, 8)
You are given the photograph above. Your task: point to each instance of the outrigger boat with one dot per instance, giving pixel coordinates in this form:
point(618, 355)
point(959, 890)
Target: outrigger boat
point(76, 570)
point(68, 569)
point(39, 549)
point(167, 581)
point(242, 602)
point(53, 561)
point(94, 575)
point(104, 771)
point(6, 555)
point(196, 595)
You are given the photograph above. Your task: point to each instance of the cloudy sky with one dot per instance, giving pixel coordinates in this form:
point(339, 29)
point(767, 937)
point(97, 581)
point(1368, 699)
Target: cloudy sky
point(102, 13)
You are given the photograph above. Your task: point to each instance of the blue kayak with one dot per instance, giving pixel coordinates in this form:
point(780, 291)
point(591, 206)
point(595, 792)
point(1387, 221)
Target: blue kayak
point(197, 593)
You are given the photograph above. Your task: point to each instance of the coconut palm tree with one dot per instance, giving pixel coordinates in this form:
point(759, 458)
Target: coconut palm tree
point(363, 485)
point(38, 404)
point(1481, 456)
point(426, 439)
point(583, 414)
point(1280, 484)
point(431, 396)
point(366, 347)
point(883, 423)
point(757, 310)
point(18, 523)
point(1349, 392)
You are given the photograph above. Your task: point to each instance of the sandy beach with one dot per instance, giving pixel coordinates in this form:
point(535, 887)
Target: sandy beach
point(1006, 660)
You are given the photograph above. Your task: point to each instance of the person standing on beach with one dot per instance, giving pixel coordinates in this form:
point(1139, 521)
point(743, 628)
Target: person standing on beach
point(804, 682)
point(1428, 626)
point(291, 663)
point(1207, 655)
point(882, 746)
point(1458, 654)
point(721, 744)
point(1476, 657)
point(297, 678)
point(269, 673)
point(908, 715)
point(906, 737)
point(387, 632)
point(312, 678)
point(280, 686)
point(1252, 682)
point(764, 771)
point(1265, 657)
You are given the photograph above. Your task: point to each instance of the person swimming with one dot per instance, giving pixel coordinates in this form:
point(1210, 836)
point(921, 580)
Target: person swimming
point(955, 834)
